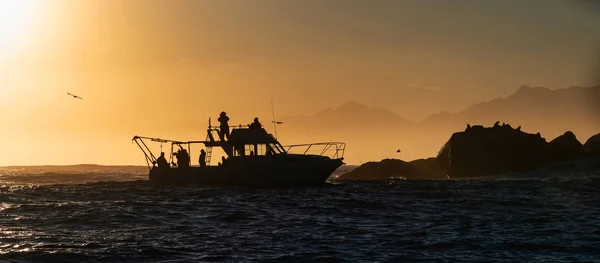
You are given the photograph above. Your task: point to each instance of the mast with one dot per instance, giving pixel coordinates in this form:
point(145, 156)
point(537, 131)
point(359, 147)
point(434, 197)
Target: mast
point(274, 122)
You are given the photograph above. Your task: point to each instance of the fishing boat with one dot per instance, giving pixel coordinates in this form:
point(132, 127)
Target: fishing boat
point(252, 157)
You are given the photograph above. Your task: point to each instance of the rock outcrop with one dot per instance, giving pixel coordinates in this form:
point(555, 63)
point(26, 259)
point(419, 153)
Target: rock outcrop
point(482, 151)
point(565, 146)
point(592, 145)
point(394, 168)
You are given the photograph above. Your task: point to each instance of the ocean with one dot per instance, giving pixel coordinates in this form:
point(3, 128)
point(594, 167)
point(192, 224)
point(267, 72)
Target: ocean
point(112, 214)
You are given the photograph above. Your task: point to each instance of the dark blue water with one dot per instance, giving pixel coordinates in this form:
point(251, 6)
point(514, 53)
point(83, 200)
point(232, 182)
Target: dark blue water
point(553, 218)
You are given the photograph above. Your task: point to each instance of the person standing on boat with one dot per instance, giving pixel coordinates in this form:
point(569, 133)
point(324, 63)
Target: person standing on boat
point(183, 158)
point(255, 127)
point(162, 161)
point(224, 127)
point(202, 159)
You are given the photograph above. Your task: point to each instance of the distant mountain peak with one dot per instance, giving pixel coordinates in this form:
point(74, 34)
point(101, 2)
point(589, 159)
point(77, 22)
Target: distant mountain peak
point(524, 87)
point(352, 105)
point(353, 111)
point(525, 90)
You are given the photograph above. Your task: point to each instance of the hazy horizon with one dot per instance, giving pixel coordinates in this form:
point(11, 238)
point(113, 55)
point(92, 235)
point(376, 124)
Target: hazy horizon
point(152, 67)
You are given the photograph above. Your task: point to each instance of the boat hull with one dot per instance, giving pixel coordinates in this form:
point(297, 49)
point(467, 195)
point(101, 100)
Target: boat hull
point(290, 170)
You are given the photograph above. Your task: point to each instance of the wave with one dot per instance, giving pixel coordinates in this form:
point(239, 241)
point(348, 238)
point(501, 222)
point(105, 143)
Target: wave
point(85, 173)
point(71, 174)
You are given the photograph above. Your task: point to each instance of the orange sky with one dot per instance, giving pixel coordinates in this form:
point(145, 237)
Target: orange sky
point(161, 68)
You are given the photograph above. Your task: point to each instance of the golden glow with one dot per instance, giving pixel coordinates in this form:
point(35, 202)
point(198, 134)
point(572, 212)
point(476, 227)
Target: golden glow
point(17, 18)
point(162, 68)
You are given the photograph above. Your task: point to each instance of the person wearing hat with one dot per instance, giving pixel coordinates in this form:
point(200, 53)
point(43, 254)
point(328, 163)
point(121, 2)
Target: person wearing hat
point(224, 127)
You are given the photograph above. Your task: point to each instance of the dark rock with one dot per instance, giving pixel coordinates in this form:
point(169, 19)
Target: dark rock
point(592, 145)
point(565, 146)
point(394, 168)
point(489, 151)
point(482, 151)
point(427, 169)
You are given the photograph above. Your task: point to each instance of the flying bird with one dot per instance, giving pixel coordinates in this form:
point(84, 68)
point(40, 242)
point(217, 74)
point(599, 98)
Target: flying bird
point(277, 122)
point(74, 96)
point(398, 151)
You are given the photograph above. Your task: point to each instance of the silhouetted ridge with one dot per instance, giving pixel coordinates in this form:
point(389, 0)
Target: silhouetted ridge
point(357, 110)
point(566, 146)
point(592, 145)
point(396, 169)
point(350, 114)
point(527, 92)
point(483, 151)
point(491, 150)
point(549, 111)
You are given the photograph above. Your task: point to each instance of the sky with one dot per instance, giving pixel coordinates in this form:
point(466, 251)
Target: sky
point(161, 68)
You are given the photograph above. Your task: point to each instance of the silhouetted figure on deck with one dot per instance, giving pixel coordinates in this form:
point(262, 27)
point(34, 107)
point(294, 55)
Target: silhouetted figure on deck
point(255, 127)
point(162, 161)
point(183, 158)
point(224, 127)
point(255, 124)
point(202, 159)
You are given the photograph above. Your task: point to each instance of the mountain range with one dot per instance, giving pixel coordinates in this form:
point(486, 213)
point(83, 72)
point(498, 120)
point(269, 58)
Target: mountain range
point(540, 105)
point(535, 109)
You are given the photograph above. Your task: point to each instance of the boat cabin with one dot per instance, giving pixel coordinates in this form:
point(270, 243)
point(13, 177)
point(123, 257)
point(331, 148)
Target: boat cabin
point(249, 141)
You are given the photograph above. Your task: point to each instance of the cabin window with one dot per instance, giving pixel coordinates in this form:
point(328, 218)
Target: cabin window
point(249, 148)
point(258, 149)
point(252, 149)
point(239, 151)
point(277, 149)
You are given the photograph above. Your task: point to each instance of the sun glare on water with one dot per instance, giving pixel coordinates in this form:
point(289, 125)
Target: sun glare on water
point(17, 19)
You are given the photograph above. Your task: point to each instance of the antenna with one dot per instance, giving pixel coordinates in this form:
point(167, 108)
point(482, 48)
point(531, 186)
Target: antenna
point(274, 121)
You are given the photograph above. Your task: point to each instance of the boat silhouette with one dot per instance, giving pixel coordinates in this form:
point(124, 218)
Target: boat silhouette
point(254, 158)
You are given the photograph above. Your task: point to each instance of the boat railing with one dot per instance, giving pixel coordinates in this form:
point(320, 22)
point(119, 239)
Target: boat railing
point(241, 126)
point(333, 150)
point(213, 137)
point(151, 158)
